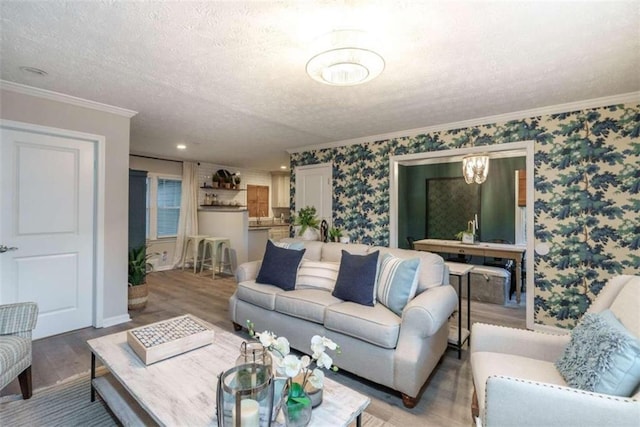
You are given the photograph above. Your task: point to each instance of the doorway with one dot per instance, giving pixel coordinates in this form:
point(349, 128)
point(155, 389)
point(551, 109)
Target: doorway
point(523, 148)
point(48, 196)
point(314, 187)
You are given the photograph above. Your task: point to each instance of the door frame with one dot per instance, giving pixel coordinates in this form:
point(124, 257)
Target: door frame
point(99, 146)
point(524, 148)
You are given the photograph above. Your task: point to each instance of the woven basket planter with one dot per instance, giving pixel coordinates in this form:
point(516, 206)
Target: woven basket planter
point(138, 296)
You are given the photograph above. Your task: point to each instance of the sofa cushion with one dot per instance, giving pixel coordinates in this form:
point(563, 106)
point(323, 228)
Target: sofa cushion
point(332, 251)
point(396, 282)
point(307, 304)
point(280, 266)
point(258, 294)
point(486, 364)
point(357, 278)
point(602, 356)
point(431, 266)
point(317, 275)
point(377, 325)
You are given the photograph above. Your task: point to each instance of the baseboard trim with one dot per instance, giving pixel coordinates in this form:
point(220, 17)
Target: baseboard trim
point(116, 320)
point(164, 268)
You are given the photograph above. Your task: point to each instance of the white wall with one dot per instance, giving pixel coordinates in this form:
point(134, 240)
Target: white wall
point(115, 128)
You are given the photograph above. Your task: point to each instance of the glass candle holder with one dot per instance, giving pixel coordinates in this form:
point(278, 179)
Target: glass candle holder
point(254, 352)
point(245, 396)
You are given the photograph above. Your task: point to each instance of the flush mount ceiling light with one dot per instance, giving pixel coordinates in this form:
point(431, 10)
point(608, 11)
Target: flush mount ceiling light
point(475, 168)
point(346, 61)
point(181, 147)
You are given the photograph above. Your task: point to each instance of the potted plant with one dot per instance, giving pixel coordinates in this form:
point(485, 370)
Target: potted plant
point(335, 234)
point(215, 180)
point(138, 292)
point(227, 182)
point(236, 181)
point(307, 223)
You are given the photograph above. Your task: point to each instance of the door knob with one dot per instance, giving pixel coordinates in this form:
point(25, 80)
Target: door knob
point(4, 249)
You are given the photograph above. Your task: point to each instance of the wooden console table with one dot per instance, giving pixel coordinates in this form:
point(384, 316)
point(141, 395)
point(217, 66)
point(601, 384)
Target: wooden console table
point(496, 250)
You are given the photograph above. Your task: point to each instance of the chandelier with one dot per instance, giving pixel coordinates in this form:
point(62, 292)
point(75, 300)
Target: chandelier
point(345, 60)
point(475, 168)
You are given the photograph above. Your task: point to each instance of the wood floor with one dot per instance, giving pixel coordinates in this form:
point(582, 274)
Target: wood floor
point(445, 400)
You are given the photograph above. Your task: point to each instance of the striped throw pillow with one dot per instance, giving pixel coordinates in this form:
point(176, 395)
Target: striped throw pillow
point(317, 275)
point(397, 281)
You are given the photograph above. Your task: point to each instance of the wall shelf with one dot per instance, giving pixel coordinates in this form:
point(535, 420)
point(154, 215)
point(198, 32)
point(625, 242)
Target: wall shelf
point(223, 189)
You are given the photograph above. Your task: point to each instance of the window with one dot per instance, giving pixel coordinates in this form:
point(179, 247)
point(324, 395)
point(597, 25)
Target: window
point(163, 206)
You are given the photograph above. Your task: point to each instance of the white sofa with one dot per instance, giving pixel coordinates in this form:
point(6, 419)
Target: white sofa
point(397, 352)
point(517, 383)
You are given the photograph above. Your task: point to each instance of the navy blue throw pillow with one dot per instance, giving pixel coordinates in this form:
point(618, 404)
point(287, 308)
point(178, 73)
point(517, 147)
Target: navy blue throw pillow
point(280, 267)
point(357, 278)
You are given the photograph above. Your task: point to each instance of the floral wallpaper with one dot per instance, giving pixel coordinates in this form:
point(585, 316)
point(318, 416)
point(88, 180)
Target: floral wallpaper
point(587, 196)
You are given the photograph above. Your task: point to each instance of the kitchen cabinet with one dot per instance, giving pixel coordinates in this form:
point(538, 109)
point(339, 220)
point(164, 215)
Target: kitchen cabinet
point(258, 201)
point(280, 183)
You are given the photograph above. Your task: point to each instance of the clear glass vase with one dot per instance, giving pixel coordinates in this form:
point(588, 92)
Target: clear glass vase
point(297, 408)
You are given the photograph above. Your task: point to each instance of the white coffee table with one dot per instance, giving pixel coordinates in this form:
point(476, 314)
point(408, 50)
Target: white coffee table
point(182, 390)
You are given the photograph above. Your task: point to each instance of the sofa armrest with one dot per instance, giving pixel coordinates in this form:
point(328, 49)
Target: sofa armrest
point(513, 401)
point(519, 342)
point(428, 311)
point(248, 271)
point(18, 318)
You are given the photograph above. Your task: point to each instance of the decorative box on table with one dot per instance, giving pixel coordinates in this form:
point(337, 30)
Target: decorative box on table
point(167, 338)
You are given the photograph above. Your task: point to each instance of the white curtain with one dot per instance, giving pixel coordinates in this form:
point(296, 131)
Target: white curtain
point(188, 222)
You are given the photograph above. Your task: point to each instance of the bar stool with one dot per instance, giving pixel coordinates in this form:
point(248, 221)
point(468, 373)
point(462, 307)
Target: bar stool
point(215, 246)
point(194, 242)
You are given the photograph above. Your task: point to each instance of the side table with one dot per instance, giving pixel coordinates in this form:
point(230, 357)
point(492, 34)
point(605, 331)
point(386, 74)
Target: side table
point(460, 270)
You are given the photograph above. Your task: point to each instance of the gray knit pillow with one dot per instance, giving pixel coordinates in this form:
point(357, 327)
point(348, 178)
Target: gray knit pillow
point(602, 356)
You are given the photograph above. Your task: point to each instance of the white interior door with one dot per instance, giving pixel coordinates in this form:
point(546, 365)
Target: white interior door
point(47, 214)
point(314, 187)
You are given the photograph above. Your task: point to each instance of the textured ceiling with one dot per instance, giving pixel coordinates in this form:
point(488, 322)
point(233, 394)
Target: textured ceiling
point(228, 78)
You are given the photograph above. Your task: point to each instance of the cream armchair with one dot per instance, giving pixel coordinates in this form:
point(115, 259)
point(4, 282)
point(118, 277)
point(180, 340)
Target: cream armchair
point(16, 323)
point(516, 382)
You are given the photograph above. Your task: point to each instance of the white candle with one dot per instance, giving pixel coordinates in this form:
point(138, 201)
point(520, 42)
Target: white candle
point(249, 413)
point(254, 378)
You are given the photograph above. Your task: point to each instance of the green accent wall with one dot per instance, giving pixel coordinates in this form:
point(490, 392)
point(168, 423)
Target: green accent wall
point(497, 212)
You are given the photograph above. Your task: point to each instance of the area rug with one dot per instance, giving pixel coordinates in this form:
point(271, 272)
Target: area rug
point(68, 403)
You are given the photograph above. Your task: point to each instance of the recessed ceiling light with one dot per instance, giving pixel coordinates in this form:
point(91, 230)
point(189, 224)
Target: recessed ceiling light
point(283, 167)
point(181, 147)
point(33, 70)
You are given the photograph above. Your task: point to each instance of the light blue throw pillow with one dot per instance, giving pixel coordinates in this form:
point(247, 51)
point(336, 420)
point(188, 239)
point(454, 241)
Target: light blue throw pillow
point(297, 246)
point(602, 356)
point(397, 281)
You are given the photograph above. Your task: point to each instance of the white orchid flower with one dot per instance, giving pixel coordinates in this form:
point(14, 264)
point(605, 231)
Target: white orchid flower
point(317, 378)
point(306, 361)
point(324, 361)
point(329, 343)
point(317, 346)
point(267, 339)
point(289, 366)
point(281, 345)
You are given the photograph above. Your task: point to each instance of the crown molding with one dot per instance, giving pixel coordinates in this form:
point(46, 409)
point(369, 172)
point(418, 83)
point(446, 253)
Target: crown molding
point(624, 98)
point(61, 97)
